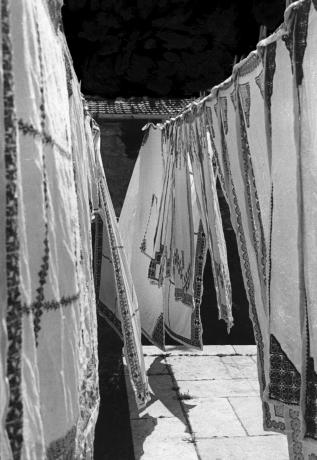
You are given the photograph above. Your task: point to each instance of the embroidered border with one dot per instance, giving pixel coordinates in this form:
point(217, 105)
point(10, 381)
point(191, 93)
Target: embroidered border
point(43, 272)
point(52, 305)
point(248, 281)
point(64, 447)
point(250, 64)
point(245, 94)
point(183, 296)
point(285, 380)
point(14, 415)
point(249, 180)
point(127, 328)
point(143, 242)
point(244, 258)
point(102, 309)
point(270, 249)
point(155, 264)
point(310, 396)
point(27, 128)
point(216, 157)
point(295, 435)
point(311, 400)
point(269, 423)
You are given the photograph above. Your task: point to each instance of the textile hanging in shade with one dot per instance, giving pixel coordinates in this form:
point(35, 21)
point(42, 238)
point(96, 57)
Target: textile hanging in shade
point(116, 298)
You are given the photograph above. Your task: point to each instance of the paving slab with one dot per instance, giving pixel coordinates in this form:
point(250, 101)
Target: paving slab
point(249, 411)
point(245, 448)
point(162, 439)
point(255, 384)
point(245, 349)
point(197, 367)
point(217, 388)
point(154, 364)
point(164, 400)
point(207, 402)
point(213, 418)
point(240, 367)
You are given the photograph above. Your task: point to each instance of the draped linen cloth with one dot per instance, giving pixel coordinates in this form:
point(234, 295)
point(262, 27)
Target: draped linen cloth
point(182, 231)
point(5, 449)
point(204, 177)
point(146, 227)
point(48, 349)
point(285, 287)
point(82, 167)
point(138, 225)
point(161, 259)
point(116, 298)
point(184, 324)
point(254, 156)
point(224, 106)
point(303, 43)
point(182, 242)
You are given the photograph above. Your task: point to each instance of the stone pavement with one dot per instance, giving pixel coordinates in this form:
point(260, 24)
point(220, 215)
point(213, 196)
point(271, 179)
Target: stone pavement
point(204, 405)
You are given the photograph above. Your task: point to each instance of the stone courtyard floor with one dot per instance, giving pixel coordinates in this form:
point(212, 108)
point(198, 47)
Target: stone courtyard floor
point(204, 405)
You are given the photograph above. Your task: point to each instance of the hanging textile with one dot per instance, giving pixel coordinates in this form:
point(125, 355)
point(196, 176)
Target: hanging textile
point(303, 47)
point(253, 155)
point(225, 132)
point(51, 178)
point(88, 339)
point(256, 131)
point(184, 324)
point(181, 242)
point(116, 299)
point(48, 350)
point(137, 225)
point(205, 180)
point(285, 286)
point(148, 227)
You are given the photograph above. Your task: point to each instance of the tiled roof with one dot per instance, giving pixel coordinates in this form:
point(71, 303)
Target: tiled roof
point(136, 107)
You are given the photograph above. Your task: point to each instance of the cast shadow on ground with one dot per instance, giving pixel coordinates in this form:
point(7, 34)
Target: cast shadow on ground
point(166, 402)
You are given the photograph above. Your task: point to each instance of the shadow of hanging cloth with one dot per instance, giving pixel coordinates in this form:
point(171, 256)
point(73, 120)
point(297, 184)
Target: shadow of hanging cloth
point(165, 402)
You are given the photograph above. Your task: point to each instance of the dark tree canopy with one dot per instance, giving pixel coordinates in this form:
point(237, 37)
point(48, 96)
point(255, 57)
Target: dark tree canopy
point(162, 47)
